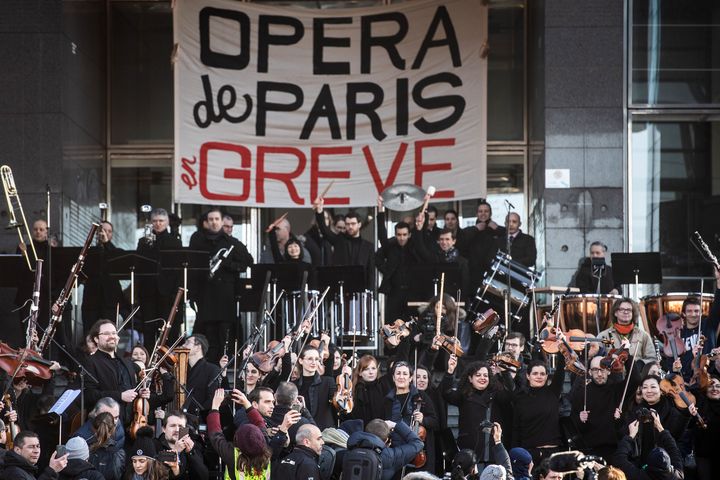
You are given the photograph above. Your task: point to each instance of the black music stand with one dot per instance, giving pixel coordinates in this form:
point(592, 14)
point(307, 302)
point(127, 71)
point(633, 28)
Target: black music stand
point(290, 277)
point(184, 260)
point(13, 267)
point(127, 265)
point(637, 268)
point(426, 280)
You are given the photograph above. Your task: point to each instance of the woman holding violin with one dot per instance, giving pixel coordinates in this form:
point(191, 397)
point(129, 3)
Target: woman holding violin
point(423, 336)
point(317, 391)
point(404, 402)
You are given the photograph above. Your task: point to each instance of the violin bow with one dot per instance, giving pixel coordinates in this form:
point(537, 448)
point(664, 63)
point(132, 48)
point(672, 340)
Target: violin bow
point(151, 369)
point(311, 314)
point(438, 309)
point(629, 373)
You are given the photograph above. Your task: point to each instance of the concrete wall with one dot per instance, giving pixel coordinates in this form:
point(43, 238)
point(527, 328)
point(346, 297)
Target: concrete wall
point(583, 133)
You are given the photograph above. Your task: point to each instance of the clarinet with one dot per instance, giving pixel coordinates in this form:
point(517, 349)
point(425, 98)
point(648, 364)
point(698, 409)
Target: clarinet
point(34, 307)
point(59, 305)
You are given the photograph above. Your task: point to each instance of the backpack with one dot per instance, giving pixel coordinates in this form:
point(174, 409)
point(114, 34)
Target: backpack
point(326, 462)
point(362, 464)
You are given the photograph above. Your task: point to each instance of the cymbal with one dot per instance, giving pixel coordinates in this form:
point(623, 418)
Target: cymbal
point(403, 197)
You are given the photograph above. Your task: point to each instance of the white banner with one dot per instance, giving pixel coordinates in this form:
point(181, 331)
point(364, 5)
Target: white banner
point(272, 104)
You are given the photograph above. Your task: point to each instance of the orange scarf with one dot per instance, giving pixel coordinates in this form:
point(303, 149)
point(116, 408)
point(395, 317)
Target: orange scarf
point(624, 330)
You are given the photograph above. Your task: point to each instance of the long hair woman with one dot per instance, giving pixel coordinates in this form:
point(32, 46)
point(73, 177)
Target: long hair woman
point(369, 390)
point(105, 455)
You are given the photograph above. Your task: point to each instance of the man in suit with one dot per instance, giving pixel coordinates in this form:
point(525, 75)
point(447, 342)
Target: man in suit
point(586, 278)
point(522, 246)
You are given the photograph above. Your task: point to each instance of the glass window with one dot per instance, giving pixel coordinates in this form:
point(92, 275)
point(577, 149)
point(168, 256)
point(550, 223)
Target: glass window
point(674, 190)
point(141, 85)
point(506, 69)
point(675, 52)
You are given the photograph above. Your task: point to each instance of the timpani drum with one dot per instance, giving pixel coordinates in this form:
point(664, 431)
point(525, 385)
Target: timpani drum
point(653, 307)
point(578, 311)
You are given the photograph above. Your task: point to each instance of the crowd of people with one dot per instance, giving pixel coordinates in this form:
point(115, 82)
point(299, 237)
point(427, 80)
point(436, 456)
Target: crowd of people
point(627, 404)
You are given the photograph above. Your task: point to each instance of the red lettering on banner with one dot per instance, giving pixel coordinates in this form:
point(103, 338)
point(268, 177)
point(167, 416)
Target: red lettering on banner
point(421, 168)
point(286, 178)
point(394, 168)
point(232, 173)
point(316, 174)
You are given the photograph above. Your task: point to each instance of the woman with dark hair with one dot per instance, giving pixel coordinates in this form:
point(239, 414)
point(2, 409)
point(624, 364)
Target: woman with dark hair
point(704, 439)
point(464, 466)
point(105, 455)
point(404, 402)
point(481, 400)
point(424, 335)
point(248, 456)
point(369, 390)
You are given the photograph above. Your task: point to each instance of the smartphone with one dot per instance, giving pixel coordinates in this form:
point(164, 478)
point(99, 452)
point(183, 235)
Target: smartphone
point(167, 456)
point(183, 431)
point(296, 406)
point(60, 451)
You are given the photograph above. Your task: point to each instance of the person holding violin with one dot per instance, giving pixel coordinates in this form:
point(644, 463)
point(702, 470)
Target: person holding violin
point(482, 400)
point(405, 403)
point(593, 407)
point(318, 391)
point(624, 313)
point(424, 333)
point(115, 375)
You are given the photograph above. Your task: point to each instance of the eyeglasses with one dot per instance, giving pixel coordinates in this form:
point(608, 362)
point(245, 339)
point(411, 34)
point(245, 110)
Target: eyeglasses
point(109, 334)
point(624, 310)
point(597, 370)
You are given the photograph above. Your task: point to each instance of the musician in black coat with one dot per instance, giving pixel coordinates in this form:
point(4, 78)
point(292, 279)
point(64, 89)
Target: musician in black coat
point(215, 297)
point(199, 389)
point(522, 246)
point(156, 293)
point(349, 247)
point(586, 277)
point(317, 391)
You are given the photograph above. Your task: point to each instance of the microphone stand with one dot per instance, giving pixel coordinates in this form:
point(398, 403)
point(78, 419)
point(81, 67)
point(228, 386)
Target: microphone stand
point(82, 374)
point(506, 293)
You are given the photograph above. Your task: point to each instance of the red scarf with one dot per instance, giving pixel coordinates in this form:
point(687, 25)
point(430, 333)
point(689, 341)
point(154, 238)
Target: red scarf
point(624, 330)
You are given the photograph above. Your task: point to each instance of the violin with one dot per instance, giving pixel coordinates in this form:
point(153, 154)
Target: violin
point(393, 333)
point(450, 344)
point(506, 361)
point(141, 410)
point(548, 335)
point(615, 360)
point(700, 377)
point(266, 361)
point(421, 458)
point(12, 427)
point(485, 322)
point(343, 400)
point(673, 385)
point(669, 327)
point(27, 363)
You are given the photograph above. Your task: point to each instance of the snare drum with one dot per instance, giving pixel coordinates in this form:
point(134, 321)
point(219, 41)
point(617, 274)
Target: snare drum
point(653, 307)
point(578, 311)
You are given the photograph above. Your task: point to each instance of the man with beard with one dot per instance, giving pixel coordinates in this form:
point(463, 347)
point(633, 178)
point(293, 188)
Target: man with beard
point(190, 457)
point(215, 295)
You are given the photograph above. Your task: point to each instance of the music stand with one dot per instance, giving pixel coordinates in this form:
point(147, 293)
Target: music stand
point(426, 278)
point(14, 267)
point(127, 265)
point(184, 260)
point(637, 268)
point(290, 277)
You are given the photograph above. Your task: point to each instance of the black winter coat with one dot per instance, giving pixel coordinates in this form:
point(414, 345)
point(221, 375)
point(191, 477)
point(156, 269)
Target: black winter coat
point(302, 463)
point(322, 390)
point(16, 467)
point(77, 469)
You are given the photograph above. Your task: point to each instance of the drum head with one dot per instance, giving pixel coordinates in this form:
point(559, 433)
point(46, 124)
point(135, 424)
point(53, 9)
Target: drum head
point(578, 312)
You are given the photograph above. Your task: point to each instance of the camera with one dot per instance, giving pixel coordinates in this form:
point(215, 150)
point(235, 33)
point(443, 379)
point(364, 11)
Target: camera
point(486, 426)
point(644, 415)
point(167, 456)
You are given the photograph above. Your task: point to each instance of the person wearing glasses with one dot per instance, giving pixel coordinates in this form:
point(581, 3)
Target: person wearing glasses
point(624, 313)
point(593, 409)
point(316, 391)
point(110, 375)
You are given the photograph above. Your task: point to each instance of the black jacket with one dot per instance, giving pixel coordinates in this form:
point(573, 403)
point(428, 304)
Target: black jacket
point(200, 396)
point(321, 392)
point(587, 283)
point(77, 469)
point(191, 463)
point(301, 464)
point(16, 467)
point(114, 376)
point(522, 249)
point(349, 250)
point(626, 460)
point(167, 281)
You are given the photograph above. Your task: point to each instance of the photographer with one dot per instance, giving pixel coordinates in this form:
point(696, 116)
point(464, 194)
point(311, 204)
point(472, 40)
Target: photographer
point(664, 461)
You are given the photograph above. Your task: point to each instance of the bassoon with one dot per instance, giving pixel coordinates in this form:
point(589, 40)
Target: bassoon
point(59, 305)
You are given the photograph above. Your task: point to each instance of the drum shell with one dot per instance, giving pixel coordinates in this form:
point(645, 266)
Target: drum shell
point(652, 307)
point(578, 312)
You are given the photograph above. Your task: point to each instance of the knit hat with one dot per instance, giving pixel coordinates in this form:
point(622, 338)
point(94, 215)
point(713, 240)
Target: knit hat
point(658, 461)
point(335, 437)
point(352, 426)
point(77, 447)
point(144, 445)
point(250, 440)
point(493, 472)
point(521, 460)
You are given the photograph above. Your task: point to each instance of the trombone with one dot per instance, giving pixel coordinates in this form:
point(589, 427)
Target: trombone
point(14, 206)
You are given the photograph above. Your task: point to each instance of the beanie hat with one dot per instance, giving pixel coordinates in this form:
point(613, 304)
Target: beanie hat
point(352, 426)
point(521, 460)
point(658, 461)
point(335, 436)
point(249, 440)
point(144, 445)
point(493, 472)
point(77, 447)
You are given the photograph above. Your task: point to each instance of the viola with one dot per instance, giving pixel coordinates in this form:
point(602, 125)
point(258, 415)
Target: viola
point(141, 410)
point(669, 327)
point(485, 321)
point(12, 427)
point(548, 335)
point(572, 360)
point(700, 377)
point(421, 458)
point(343, 400)
point(673, 385)
point(393, 333)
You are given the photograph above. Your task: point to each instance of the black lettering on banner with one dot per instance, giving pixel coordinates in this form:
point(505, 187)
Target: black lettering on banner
point(320, 41)
point(457, 102)
point(226, 99)
point(265, 38)
point(450, 39)
point(387, 42)
point(368, 109)
point(223, 60)
point(401, 106)
point(324, 106)
point(263, 105)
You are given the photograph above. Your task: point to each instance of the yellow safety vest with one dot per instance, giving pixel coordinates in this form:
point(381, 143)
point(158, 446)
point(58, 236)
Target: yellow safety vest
point(242, 475)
